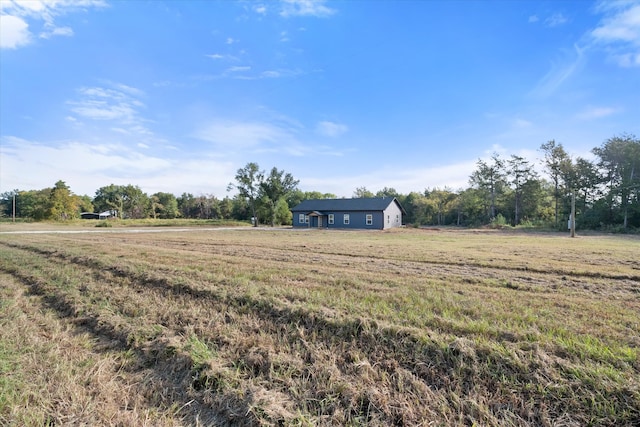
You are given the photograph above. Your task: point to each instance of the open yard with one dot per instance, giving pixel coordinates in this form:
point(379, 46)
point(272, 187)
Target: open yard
point(283, 327)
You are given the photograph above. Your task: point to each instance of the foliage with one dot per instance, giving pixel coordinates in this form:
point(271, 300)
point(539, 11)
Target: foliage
point(607, 194)
point(275, 187)
point(264, 192)
point(164, 205)
point(248, 180)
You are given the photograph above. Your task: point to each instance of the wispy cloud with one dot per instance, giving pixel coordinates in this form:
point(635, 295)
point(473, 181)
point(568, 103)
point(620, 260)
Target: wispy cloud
point(561, 71)
point(223, 57)
point(619, 31)
point(315, 8)
point(57, 31)
point(244, 135)
point(555, 20)
point(237, 69)
point(592, 113)
point(247, 73)
point(331, 129)
point(17, 18)
point(118, 104)
point(34, 165)
point(522, 123)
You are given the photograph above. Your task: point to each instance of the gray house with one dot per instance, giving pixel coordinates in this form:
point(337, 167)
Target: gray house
point(368, 213)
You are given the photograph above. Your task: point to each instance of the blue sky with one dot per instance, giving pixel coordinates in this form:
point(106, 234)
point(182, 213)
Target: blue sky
point(176, 96)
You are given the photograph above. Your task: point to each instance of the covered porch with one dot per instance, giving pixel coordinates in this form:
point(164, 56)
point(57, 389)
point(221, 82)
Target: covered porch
point(317, 219)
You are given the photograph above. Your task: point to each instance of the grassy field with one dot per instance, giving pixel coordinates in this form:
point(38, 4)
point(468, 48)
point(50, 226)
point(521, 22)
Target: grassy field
point(283, 327)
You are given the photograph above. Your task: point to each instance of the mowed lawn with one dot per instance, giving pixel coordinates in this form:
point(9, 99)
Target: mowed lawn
point(315, 327)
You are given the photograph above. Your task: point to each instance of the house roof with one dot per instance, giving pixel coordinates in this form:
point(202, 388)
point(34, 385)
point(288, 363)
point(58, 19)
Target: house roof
point(345, 205)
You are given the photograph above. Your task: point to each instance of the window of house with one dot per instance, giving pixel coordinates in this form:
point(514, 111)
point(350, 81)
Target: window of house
point(330, 218)
point(369, 219)
point(346, 219)
point(301, 218)
point(388, 219)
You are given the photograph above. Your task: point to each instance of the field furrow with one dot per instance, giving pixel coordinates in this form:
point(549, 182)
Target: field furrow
point(230, 329)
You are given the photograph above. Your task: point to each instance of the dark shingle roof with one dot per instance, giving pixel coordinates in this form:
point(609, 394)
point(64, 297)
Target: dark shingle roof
point(365, 204)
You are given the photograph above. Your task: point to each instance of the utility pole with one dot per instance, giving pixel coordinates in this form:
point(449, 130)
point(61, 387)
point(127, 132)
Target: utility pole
point(14, 206)
point(573, 213)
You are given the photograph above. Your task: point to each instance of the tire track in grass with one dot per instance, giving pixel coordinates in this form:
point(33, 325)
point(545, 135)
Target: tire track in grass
point(382, 346)
point(165, 367)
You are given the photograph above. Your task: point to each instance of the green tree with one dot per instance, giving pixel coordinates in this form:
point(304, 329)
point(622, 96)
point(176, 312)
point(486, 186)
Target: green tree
point(33, 204)
point(619, 160)
point(164, 205)
point(110, 198)
point(277, 185)
point(248, 180)
point(136, 202)
point(469, 207)
point(84, 203)
point(362, 193)
point(283, 214)
point(297, 196)
point(441, 203)
point(387, 192)
point(557, 162)
point(62, 204)
point(129, 201)
point(226, 208)
point(489, 178)
point(522, 175)
point(7, 200)
point(415, 205)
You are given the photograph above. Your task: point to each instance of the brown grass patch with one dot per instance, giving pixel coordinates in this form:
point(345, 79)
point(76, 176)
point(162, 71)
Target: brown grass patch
point(261, 327)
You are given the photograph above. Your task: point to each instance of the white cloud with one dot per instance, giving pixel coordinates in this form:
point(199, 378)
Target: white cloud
point(592, 113)
point(331, 129)
point(242, 73)
point(559, 73)
point(555, 20)
point(260, 9)
point(619, 32)
point(18, 16)
point(117, 104)
point(305, 8)
point(243, 135)
point(522, 123)
point(238, 69)
point(29, 165)
point(623, 25)
point(533, 18)
point(14, 32)
point(57, 31)
point(221, 57)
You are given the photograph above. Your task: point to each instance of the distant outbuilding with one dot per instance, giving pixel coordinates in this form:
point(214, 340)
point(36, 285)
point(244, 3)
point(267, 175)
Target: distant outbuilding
point(96, 215)
point(365, 213)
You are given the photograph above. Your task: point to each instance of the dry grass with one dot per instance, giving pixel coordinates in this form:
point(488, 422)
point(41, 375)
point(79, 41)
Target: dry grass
point(281, 327)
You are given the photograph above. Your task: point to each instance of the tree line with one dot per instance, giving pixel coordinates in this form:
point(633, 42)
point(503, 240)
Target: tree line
point(502, 191)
